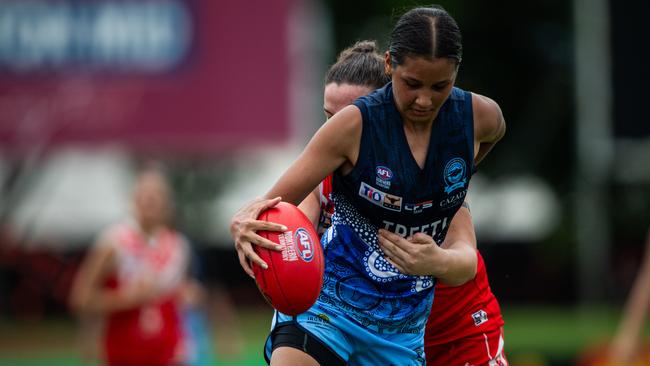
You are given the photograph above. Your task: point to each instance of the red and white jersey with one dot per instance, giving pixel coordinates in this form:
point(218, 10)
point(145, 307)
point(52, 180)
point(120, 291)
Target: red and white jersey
point(326, 205)
point(457, 312)
point(151, 334)
point(463, 311)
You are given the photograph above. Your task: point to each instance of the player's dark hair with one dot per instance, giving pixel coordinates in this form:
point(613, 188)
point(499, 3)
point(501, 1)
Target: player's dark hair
point(361, 64)
point(426, 32)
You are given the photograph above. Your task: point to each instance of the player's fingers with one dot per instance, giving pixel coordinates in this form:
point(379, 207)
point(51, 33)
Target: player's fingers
point(253, 257)
point(392, 259)
point(387, 249)
point(420, 238)
point(392, 247)
point(389, 235)
point(396, 265)
point(243, 261)
point(265, 243)
point(266, 204)
point(258, 225)
point(396, 240)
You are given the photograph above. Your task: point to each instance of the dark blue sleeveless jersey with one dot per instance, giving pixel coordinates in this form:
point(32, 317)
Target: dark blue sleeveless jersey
point(387, 189)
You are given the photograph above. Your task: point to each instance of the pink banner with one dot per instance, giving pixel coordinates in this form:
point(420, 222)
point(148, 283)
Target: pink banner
point(190, 76)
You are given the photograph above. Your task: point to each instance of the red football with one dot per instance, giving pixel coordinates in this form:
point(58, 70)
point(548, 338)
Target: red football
point(294, 278)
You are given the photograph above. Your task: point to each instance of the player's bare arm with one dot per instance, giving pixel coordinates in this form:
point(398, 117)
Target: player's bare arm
point(489, 125)
point(461, 240)
point(335, 145)
point(95, 267)
point(310, 206)
point(420, 255)
point(88, 295)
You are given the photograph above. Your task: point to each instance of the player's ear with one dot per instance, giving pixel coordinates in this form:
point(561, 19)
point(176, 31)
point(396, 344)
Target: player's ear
point(388, 67)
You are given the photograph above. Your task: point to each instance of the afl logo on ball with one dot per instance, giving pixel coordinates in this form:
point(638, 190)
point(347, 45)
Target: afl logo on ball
point(304, 245)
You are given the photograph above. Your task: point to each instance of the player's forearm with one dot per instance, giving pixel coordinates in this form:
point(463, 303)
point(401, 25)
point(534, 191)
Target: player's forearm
point(310, 206)
point(460, 265)
point(104, 302)
point(636, 309)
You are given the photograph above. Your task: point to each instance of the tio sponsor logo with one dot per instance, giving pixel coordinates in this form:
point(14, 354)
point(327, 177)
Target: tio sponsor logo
point(304, 244)
point(372, 195)
point(379, 198)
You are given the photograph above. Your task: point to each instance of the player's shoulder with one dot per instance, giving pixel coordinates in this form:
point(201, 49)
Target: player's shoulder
point(377, 97)
point(485, 106)
point(182, 240)
point(345, 122)
point(105, 245)
point(489, 124)
point(112, 235)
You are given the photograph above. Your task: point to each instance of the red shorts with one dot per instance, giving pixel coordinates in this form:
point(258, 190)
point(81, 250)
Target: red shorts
point(478, 350)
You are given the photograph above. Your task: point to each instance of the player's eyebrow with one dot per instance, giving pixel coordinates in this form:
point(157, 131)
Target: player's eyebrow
point(411, 79)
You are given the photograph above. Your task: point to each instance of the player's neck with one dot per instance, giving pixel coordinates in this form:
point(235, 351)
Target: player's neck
point(149, 230)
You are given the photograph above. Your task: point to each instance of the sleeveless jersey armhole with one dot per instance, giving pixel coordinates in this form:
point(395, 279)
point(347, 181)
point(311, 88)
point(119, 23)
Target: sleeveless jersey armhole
point(469, 111)
point(362, 143)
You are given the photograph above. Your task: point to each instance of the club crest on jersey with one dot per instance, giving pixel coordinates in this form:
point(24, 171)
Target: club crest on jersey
point(304, 244)
point(455, 175)
point(379, 198)
point(384, 175)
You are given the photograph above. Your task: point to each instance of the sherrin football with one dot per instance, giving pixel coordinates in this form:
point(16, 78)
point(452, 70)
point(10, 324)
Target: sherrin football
point(294, 278)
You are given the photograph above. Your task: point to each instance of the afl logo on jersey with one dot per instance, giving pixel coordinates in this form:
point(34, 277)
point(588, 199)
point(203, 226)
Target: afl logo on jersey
point(384, 175)
point(455, 175)
point(304, 245)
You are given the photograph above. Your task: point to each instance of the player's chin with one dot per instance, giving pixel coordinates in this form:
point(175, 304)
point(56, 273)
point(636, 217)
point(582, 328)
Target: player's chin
point(421, 116)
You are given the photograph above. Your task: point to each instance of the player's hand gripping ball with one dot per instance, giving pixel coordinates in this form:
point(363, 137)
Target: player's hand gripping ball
point(294, 278)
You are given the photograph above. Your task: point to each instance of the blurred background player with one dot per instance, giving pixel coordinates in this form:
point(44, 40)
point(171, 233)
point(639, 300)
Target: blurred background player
point(135, 278)
point(627, 347)
point(465, 325)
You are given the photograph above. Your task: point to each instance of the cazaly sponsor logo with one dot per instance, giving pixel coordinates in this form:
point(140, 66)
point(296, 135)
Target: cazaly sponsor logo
point(454, 200)
point(304, 245)
point(455, 177)
point(379, 198)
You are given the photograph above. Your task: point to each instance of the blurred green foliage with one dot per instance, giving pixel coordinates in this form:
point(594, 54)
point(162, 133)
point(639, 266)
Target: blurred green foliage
point(552, 335)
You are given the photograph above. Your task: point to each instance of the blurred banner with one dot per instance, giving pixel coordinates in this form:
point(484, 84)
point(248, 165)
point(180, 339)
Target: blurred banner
point(190, 76)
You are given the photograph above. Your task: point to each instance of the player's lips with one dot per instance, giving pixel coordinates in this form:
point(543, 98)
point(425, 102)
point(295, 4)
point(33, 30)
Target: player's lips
point(421, 112)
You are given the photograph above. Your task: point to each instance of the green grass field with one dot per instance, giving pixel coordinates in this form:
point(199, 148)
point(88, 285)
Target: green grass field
point(534, 336)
